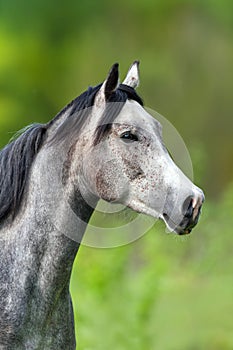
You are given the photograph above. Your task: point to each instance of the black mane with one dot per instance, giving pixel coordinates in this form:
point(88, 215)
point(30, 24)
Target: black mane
point(15, 163)
point(17, 157)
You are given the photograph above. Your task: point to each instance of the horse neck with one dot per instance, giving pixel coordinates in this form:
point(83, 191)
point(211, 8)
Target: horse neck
point(49, 213)
point(40, 244)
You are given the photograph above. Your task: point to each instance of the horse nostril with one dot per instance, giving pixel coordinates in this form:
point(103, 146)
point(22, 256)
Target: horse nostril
point(188, 207)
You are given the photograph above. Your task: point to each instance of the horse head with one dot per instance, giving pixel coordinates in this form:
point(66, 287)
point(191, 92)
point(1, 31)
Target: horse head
point(127, 162)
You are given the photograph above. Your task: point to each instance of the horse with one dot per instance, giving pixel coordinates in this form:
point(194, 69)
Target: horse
point(102, 145)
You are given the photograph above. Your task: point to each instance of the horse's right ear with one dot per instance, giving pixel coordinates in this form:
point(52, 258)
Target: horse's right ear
point(108, 86)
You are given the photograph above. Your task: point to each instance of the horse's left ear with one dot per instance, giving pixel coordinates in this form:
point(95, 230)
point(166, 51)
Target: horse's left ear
point(132, 77)
point(108, 86)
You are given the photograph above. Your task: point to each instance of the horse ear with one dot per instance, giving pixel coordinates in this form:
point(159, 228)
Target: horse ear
point(108, 86)
point(132, 77)
point(112, 81)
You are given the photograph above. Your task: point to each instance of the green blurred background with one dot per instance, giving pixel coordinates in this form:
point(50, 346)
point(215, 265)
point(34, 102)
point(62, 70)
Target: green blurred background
point(163, 291)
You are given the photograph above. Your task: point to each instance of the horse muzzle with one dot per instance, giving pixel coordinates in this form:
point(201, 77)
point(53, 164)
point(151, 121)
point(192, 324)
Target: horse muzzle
point(191, 211)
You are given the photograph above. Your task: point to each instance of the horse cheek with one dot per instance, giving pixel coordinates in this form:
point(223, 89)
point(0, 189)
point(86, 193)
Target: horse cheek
point(107, 182)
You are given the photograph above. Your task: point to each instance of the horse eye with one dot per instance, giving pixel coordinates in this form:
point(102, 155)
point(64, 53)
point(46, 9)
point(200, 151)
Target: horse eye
point(128, 136)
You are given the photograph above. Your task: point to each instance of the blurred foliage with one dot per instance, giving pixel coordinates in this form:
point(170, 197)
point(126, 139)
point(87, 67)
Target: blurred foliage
point(162, 292)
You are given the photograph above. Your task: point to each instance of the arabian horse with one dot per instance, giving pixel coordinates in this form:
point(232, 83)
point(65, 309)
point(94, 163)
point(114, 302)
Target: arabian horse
point(103, 145)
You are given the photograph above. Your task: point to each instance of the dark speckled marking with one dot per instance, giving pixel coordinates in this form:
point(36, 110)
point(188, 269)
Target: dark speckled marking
point(132, 169)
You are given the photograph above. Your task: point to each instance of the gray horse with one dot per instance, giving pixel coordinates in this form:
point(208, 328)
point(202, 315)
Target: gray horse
point(102, 145)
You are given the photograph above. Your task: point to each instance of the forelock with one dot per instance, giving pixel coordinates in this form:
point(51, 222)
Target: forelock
point(114, 105)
